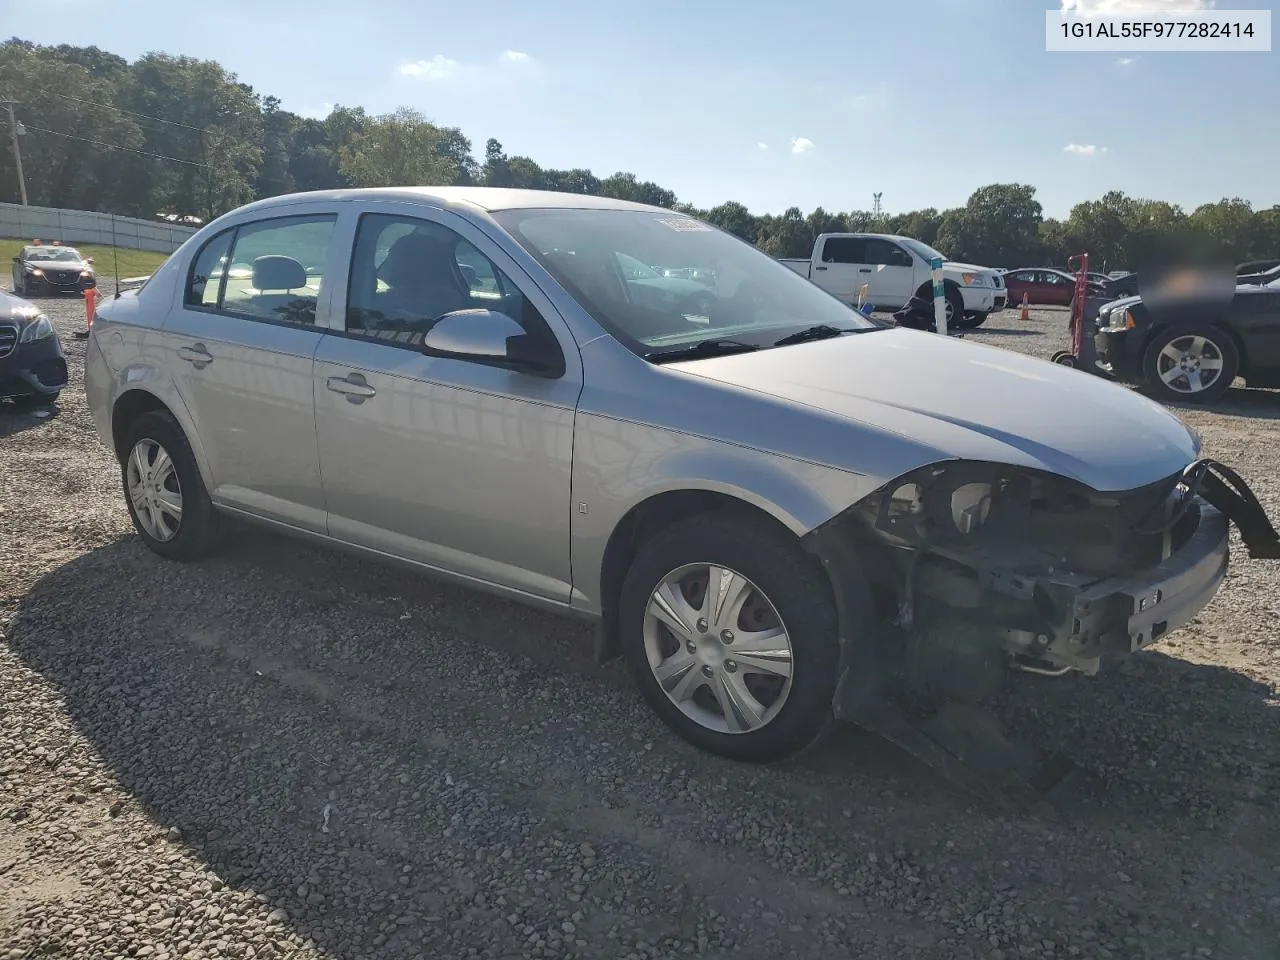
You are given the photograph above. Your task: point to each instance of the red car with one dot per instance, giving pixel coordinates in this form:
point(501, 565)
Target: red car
point(1043, 285)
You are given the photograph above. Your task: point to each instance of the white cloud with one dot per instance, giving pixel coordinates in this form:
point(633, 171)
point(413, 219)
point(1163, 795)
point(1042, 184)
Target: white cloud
point(762, 145)
point(1087, 8)
point(1084, 149)
point(439, 68)
point(1125, 61)
point(801, 145)
point(442, 71)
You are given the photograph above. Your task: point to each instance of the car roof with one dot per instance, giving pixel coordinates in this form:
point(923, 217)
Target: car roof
point(489, 199)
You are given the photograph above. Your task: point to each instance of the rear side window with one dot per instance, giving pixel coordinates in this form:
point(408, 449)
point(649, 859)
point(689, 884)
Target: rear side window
point(844, 250)
point(270, 270)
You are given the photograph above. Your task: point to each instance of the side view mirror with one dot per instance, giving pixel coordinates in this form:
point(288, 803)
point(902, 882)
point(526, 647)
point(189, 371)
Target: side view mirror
point(17, 259)
point(494, 339)
point(88, 259)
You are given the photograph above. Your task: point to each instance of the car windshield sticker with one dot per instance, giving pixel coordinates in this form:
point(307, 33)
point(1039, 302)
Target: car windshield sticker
point(683, 224)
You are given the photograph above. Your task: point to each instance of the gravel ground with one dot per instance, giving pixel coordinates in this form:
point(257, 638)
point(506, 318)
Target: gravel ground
point(284, 752)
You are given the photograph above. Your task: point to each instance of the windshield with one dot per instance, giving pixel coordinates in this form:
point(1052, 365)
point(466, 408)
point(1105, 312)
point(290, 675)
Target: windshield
point(600, 257)
point(922, 249)
point(55, 254)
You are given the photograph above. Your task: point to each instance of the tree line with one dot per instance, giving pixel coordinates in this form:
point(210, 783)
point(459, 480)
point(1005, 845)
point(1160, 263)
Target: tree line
point(183, 136)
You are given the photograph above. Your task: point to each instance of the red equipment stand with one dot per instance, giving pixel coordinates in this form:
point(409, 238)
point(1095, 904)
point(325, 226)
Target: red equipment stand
point(1081, 355)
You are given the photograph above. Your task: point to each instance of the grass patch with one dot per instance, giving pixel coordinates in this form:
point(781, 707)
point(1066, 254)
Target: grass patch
point(133, 263)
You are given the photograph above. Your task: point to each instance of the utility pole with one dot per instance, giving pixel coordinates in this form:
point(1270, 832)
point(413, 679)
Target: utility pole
point(14, 133)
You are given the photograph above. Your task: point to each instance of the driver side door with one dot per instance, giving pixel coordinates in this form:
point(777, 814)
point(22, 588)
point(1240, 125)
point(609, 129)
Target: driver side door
point(456, 465)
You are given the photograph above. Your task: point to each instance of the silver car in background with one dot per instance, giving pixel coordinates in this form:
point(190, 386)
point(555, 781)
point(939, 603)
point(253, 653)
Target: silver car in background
point(768, 502)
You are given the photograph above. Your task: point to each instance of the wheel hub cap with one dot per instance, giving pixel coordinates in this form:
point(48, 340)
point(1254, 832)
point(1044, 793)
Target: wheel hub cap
point(153, 489)
point(718, 648)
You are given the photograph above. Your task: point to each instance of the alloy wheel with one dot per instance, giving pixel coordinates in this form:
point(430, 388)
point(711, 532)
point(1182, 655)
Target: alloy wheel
point(1190, 364)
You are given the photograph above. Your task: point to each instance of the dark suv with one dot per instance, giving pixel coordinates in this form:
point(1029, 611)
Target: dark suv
point(51, 268)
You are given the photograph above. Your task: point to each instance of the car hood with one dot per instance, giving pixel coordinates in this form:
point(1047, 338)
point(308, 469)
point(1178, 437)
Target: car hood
point(968, 401)
point(967, 267)
point(16, 309)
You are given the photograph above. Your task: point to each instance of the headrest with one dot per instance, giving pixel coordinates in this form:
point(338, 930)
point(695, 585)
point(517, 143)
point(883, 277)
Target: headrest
point(417, 259)
point(278, 273)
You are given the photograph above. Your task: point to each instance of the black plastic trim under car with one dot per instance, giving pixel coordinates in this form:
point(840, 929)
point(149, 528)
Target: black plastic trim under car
point(1227, 490)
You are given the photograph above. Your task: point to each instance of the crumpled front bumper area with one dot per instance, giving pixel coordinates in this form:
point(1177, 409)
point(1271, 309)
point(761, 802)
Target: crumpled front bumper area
point(955, 573)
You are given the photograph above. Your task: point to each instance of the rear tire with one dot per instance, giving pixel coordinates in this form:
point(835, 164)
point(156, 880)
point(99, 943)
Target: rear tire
point(784, 622)
point(158, 471)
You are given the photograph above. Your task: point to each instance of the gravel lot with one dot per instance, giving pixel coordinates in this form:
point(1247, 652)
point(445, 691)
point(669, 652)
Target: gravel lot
point(289, 753)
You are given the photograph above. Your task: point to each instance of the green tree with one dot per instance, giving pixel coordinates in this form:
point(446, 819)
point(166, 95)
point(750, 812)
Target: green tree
point(396, 149)
point(733, 217)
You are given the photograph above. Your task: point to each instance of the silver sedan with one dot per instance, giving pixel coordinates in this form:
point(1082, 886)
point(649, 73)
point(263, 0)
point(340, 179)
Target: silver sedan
point(768, 502)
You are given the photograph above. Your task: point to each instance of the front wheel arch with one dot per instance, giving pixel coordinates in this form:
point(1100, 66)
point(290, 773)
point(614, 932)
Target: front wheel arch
point(640, 524)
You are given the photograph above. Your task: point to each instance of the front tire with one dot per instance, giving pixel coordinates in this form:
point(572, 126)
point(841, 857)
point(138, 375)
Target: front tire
point(731, 632)
point(971, 321)
point(164, 492)
point(1190, 364)
point(955, 309)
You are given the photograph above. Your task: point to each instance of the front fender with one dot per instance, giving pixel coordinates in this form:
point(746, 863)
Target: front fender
point(620, 465)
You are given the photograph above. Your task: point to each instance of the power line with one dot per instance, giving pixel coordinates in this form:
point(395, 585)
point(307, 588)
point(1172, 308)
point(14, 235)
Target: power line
point(116, 146)
point(131, 113)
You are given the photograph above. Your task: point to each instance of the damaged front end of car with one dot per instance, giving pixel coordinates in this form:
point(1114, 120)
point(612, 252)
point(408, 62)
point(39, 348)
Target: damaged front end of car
point(968, 569)
point(950, 575)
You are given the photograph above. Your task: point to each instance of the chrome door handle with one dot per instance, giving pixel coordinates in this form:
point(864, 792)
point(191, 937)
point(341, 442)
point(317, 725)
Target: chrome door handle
point(196, 354)
point(356, 390)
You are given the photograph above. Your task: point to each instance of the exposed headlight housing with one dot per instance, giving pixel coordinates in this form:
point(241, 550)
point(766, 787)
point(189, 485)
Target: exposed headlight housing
point(973, 279)
point(39, 329)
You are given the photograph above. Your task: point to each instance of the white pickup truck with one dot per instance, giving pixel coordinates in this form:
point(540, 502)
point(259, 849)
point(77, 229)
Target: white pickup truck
point(893, 269)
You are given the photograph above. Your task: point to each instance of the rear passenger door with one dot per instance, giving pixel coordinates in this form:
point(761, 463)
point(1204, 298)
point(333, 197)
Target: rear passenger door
point(842, 268)
point(240, 344)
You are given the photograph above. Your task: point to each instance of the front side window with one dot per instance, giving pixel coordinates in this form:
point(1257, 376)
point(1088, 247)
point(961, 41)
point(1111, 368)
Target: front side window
point(883, 253)
point(922, 250)
point(741, 293)
point(269, 270)
point(407, 273)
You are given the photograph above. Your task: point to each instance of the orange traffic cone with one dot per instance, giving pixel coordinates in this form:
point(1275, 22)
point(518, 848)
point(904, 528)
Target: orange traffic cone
point(1026, 309)
point(90, 299)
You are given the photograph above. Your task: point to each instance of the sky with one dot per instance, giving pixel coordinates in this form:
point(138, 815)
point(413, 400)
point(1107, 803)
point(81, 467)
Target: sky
point(818, 104)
